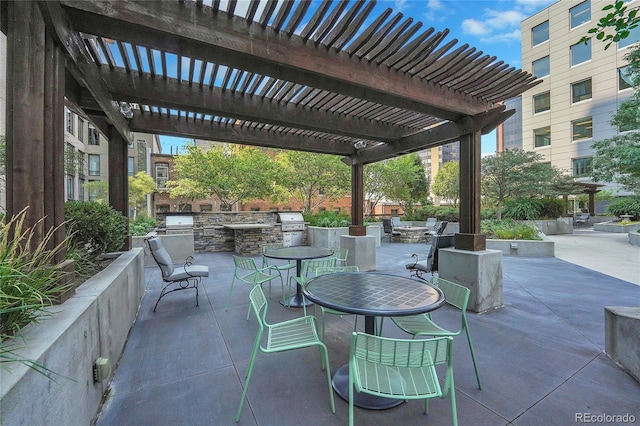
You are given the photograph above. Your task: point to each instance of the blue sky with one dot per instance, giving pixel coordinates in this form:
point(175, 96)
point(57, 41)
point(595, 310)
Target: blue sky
point(490, 26)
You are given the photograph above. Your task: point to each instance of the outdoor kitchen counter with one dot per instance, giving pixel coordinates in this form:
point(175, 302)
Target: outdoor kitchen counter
point(247, 237)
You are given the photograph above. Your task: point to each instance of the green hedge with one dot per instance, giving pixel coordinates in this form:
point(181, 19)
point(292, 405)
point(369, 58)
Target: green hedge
point(94, 227)
point(625, 205)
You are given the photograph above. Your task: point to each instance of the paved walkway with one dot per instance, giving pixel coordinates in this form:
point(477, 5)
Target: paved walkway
point(541, 357)
point(606, 252)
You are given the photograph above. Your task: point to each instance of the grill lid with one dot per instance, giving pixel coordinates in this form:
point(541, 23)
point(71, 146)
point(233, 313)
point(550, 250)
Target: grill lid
point(290, 217)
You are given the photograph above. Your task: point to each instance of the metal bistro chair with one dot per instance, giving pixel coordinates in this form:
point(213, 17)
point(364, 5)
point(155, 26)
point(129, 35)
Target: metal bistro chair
point(308, 269)
point(265, 260)
point(333, 270)
point(401, 368)
point(341, 255)
point(186, 276)
point(247, 271)
point(422, 325)
point(297, 333)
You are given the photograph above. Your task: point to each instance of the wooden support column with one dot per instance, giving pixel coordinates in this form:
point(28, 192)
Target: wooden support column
point(118, 177)
point(357, 201)
point(470, 237)
point(54, 148)
point(25, 139)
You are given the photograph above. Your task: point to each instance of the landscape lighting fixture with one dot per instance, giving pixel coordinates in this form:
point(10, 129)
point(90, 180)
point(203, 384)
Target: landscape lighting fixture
point(360, 145)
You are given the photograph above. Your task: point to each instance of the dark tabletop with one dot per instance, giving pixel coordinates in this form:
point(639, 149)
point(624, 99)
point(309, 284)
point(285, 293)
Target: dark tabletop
point(298, 253)
point(372, 293)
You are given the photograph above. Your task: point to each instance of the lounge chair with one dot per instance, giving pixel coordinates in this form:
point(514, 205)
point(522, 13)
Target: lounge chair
point(581, 220)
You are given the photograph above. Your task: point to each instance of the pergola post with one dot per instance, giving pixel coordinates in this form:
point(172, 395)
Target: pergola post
point(119, 177)
point(470, 237)
point(357, 227)
point(35, 119)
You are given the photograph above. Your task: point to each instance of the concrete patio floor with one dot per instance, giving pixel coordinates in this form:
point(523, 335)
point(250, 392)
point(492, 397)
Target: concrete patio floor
point(541, 357)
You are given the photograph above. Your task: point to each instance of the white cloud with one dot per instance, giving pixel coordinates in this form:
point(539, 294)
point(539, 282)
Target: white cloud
point(475, 27)
point(400, 5)
point(529, 6)
point(502, 37)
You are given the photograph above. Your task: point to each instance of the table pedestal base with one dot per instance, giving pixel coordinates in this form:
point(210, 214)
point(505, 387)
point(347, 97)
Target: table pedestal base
point(296, 301)
point(364, 400)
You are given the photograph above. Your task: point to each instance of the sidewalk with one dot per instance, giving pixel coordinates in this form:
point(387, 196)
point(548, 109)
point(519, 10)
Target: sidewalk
point(606, 252)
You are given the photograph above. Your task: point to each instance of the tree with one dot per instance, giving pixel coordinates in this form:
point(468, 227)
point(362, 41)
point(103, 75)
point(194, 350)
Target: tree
point(619, 19)
point(232, 173)
point(140, 185)
point(98, 191)
point(446, 184)
point(515, 173)
point(405, 181)
point(311, 179)
point(373, 183)
point(617, 159)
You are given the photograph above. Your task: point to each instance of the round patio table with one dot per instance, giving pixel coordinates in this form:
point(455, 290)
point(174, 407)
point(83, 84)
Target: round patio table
point(371, 294)
point(298, 253)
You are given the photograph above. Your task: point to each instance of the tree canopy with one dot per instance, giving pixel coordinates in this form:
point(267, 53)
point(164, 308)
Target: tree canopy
point(140, 185)
point(446, 184)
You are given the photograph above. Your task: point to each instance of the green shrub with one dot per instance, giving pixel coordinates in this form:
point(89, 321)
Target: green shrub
point(489, 213)
point(450, 214)
point(625, 205)
point(552, 208)
point(522, 209)
point(141, 225)
point(508, 229)
point(328, 219)
point(94, 227)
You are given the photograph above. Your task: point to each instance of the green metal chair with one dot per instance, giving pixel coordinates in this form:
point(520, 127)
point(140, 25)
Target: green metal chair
point(283, 336)
point(422, 325)
point(307, 271)
point(291, 264)
point(401, 368)
point(332, 270)
point(247, 270)
point(341, 255)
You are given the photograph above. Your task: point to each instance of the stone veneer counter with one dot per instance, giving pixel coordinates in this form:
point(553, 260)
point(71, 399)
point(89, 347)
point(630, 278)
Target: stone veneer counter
point(248, 236)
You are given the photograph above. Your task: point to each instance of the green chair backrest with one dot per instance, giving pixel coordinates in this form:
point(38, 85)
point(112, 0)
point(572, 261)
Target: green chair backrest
point(246, 263)
point(401, 352)
point(455, 294)
point(259, 305)
point(333, 269)
point(310, 266)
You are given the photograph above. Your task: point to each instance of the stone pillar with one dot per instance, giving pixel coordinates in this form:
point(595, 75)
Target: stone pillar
point(362, 251)
point(479, 271)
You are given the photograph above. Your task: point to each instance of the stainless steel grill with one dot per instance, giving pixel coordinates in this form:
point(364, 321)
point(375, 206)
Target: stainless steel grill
point(292, 228)
point(179, 225)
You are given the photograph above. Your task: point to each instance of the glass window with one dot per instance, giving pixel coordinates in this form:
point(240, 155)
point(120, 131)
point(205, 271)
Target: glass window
point(184, 207)
point(581, 166)
point(540, 33)
point(162, 175)
point(162, 208)
point(633, 37)
point(580, 14)
point(542, 137)
point(94, 138)
point(69, 119)
point(206, 207)
point(70, 194)
point(624, 78)
point(81, 189)
point(541, 67)
point(80, 129)
point(581, 91)
point(94, 165)
point(582, 128)
point(580, 53)
point(542, 102)
point(131, 168)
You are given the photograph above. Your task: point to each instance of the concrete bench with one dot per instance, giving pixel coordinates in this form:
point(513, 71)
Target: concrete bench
point(622, 337)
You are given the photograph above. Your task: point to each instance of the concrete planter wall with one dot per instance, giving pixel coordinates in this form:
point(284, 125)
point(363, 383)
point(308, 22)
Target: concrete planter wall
point(615, 227)
point(94, 323)
point(634, 238)
point(330, 237)
point(562, 225)
point(523, 247)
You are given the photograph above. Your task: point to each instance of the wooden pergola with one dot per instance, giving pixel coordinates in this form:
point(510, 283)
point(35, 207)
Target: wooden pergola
point(334, 80)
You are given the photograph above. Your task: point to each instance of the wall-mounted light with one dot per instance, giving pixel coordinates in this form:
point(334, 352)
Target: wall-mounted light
point(101, 369)
point(126, 109)
point(360, 145)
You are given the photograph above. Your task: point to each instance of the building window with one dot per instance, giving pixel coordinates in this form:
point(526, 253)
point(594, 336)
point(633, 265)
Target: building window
point(184, 207)
point(582, 128)
point(255, 209)
point(162, 175)
point(94, 137)
point(581, 91)
point(131, 169)
point(336, 209)
point(94, 165)
point(70, 194)
point(580, 53)
point(80, 129)
point(540, 33)
point(81, 189)
point(322, 209)
point(624, 78)
point(633, 37)
point(394, 212)
point(582, 166)
point(580, 14)
point(206, 207)
point(69, 120)
point(542, 137)
point(542, 102)
point(162, 208)
point(541, 67)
